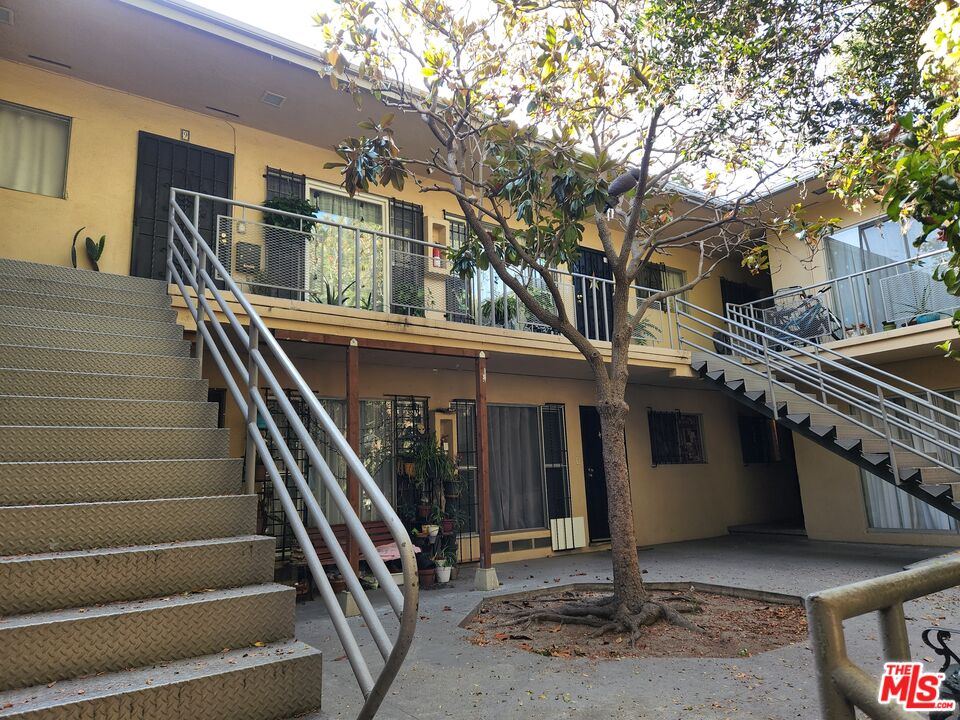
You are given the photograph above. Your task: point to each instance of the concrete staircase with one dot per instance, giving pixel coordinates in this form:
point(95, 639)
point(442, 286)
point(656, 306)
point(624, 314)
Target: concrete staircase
point(832, 429)
point(132, 584)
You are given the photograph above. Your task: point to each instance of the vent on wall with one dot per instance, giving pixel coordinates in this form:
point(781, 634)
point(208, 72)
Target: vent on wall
point(6, 16)
point(272, 98)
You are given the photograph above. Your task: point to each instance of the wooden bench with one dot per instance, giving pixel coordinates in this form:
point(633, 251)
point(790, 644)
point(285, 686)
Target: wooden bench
point(376, 529)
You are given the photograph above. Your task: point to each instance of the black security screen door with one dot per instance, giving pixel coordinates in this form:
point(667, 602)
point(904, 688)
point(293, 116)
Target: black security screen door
point(594, 299)
point(595, 478)
point(163, 163)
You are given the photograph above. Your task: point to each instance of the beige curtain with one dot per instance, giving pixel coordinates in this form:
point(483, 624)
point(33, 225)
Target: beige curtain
point(33, 151)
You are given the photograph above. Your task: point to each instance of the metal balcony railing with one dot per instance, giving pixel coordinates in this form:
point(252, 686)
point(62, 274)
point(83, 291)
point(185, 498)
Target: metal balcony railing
point(246, 357)
point(861, 303)
point(301, 257)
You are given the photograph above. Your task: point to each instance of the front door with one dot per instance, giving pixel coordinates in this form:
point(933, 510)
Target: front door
point(594, 297)
point(163, 163)
point(594, 477)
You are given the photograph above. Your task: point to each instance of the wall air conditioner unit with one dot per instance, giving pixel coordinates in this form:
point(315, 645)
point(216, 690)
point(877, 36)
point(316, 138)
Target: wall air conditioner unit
point(567, 533)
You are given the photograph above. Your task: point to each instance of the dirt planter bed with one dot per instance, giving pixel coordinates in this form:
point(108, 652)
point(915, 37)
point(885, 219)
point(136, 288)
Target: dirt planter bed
point(736, 622)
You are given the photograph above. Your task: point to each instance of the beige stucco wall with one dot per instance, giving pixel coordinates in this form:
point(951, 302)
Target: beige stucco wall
point(793, 262)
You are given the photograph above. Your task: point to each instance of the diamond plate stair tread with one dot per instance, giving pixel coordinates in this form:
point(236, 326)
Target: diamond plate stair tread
point(88, 340)
point(91, 361)
point(152, 297)
point(35, 317)
point(84, 306)
point(94, 412)
point(46, 483)
point(63, 273)
point(273, 682)
point(56, 383)
point(63, 644)
point(49, 581)
point(28, 529)
point(45, 444)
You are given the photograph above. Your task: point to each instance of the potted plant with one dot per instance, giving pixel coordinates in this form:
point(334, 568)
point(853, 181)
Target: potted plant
point(433, 470)
point(922, 312)
point(441, 520)
point(889, 325)
point(426, 571)
point(337, 582)
point(444, 566)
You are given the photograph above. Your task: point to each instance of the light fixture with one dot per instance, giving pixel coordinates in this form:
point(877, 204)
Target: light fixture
point(272, 98)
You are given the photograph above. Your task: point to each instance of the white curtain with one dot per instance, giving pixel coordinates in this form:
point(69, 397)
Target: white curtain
point(888, 507)
point(33, 151)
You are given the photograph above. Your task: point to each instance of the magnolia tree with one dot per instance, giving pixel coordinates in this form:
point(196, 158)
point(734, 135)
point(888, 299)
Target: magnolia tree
point(906, 157)
point(660, 122)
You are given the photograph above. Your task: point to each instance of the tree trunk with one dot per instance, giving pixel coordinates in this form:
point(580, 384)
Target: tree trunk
point(627, 578)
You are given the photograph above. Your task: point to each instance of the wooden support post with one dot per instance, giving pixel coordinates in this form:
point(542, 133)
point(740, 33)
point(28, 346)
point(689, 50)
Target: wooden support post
point(483, 464)
point(353, 437)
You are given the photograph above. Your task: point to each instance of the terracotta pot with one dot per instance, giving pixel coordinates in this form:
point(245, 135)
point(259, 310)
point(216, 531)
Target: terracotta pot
point(339, 585)
point(446, 526)
point(427, 577)
point(423, 510)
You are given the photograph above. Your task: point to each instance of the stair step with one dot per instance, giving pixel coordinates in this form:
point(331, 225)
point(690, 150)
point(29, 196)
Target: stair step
point(937, 490)
point(90, 361)
point(100, 412)
point(46, 444)
point(63, 644)
point(34, 317)
point(26, 529)
point(56, 383)
point(155, 297)
point(51, 581)
point(279, 680)
point(53, 483)
point(85, 306)
point(907, 463)
point(824, 432)
point(938, 475)
point(90, 278)
point(88, 340)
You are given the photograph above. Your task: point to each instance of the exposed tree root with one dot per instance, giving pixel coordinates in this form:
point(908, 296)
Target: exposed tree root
point(611, 615)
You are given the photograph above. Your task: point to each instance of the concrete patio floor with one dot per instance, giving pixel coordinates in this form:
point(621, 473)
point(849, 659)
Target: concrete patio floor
point(447, 677)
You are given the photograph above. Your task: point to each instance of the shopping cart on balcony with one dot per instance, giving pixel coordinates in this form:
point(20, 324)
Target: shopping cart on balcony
point(798, 315)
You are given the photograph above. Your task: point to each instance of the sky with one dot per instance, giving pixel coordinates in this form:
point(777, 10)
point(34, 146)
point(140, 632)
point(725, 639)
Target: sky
point(291, 19)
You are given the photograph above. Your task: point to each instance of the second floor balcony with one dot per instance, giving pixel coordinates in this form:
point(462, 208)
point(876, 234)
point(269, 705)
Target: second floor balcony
point(359, 267)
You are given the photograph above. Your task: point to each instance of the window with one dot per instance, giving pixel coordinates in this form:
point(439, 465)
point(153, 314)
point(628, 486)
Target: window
point(553, 424)
point(333, 256)
point(35, 145)
point(676, 438)
point(893, 294)
point(758, 440)
point(516, 469)
point(528, 466)
point(657, 276)
point(281, 183)
point(889, 507)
